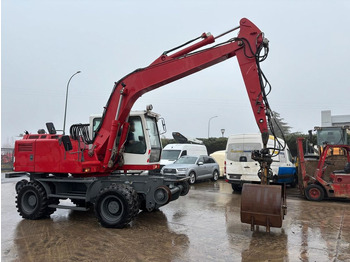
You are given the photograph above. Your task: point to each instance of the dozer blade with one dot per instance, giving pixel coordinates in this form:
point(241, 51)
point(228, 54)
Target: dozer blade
point(262, 205)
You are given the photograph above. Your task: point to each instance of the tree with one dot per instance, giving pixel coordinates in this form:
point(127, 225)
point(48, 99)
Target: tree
point(213, 144)
point(166, 141)
point(278, 125)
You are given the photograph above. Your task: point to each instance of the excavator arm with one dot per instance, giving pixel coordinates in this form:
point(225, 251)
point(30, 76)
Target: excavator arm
point(168, 68)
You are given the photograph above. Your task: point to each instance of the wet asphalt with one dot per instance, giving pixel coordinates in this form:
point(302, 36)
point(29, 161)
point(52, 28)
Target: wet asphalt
point(202, 226)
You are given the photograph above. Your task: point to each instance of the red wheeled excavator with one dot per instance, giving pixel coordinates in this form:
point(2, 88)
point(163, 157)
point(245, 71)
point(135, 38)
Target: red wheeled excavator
point(103, 172)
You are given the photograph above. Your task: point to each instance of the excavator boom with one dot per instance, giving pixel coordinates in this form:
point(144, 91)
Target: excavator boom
point(166, 69)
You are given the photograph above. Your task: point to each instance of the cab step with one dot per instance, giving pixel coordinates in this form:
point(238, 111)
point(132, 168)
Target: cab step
point(72, 196)
point(70, 207)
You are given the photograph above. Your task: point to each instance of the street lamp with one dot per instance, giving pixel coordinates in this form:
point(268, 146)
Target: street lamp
point(222, 131)
point(65, 108)
point(209, 123)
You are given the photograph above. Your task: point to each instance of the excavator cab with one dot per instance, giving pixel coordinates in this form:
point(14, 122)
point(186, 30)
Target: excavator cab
point(142, 143)
point(143, 140)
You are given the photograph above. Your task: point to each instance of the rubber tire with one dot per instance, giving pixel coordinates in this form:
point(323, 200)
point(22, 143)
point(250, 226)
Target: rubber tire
point(215, 176)
point(186, 187)
point(32, 202)
point(193, 178)
point(314, 192)
point(20, 184)
point(116, 205)
point(236, 188)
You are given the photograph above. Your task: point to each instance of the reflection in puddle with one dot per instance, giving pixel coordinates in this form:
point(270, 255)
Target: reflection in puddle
point(76, 236)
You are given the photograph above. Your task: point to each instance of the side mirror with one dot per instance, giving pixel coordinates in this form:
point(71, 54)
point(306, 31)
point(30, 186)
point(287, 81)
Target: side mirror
point(66, 143)
point(200, 163)
point(51, 128)
point(163, 131)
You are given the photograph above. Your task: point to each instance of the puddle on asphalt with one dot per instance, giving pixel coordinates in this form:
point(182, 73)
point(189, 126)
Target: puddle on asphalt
point(203, 226)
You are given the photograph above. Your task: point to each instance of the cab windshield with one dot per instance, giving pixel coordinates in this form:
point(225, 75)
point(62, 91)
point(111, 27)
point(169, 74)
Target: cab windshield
point(238, 151)
point(170, 154)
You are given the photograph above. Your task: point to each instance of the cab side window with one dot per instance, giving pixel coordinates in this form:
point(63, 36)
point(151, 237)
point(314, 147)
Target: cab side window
point(201, 159)
point(211, 160)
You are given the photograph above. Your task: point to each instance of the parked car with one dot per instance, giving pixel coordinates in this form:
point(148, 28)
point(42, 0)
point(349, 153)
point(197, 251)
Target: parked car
point(194, 167)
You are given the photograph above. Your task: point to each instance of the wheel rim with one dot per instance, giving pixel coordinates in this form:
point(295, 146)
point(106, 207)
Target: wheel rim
point(112, 208)
point(314, 193)
point(216, 176)
point(29, 201)
point(192, 178)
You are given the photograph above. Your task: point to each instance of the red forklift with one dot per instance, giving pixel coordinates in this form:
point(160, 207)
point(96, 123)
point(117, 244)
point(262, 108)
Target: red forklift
point(326, 175)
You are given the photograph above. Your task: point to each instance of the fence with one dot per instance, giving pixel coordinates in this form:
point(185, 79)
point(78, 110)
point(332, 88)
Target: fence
point(7, 155)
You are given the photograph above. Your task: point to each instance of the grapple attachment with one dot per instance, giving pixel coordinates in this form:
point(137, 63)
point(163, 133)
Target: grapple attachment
point(263, 205)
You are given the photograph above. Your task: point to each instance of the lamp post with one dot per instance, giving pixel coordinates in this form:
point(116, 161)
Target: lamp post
point(209, 124)
point(65, 107)
point(222, 131)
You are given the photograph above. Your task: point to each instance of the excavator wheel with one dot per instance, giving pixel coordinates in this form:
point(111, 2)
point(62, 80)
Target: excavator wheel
point(32, 201)
point(115, 206)
point(262, 205)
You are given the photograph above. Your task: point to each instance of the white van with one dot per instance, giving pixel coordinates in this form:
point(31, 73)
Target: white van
point(240, 168)
point(173, 152)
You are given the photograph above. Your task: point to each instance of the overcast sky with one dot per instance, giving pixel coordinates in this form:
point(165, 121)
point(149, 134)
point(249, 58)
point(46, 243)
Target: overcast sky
point(45, 42)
